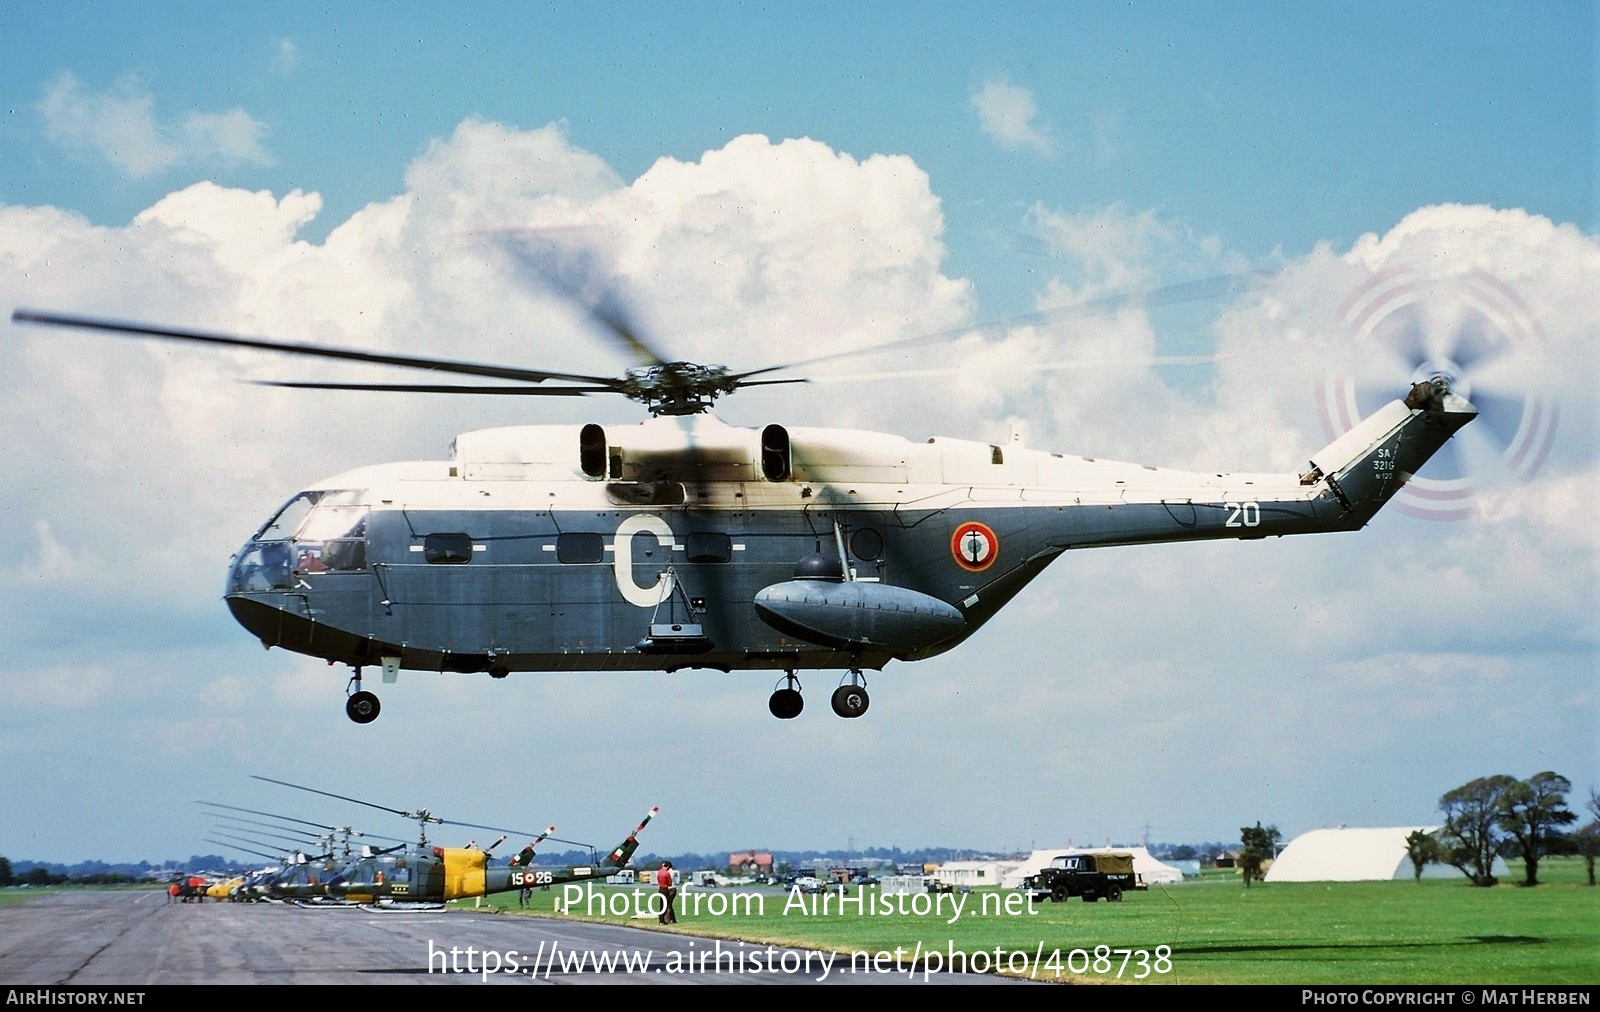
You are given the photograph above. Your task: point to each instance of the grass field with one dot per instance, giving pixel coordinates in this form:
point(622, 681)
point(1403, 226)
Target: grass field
point(1439, 931)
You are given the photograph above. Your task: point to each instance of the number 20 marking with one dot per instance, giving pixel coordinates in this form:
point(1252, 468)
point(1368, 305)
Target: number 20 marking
point(1243, 514)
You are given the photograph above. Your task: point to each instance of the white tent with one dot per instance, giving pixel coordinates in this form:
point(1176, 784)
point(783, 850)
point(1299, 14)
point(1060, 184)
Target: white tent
point(1151, 870)
point(1356, 855)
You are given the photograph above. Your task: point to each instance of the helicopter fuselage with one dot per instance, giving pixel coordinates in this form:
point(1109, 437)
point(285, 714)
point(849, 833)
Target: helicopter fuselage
point(684, 542)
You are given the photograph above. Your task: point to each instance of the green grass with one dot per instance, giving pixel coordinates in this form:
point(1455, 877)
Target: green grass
point(1440, 931)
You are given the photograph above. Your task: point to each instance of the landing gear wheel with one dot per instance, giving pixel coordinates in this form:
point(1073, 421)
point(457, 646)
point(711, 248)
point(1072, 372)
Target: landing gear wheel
point(786, 704)
point(362, 707)
point(850, 700)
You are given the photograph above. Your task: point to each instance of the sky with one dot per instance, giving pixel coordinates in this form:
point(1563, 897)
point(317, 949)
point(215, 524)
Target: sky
point(770, 184)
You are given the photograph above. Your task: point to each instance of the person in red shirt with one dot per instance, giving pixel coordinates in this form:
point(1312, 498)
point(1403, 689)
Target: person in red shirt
point(669, 893)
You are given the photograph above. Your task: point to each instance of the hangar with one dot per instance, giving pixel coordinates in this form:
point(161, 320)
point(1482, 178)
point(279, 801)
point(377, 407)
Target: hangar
point(1356, 855)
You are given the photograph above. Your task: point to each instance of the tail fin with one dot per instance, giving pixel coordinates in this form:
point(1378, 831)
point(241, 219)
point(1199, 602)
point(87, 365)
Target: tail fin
point(624, 851)
point(1366, 466)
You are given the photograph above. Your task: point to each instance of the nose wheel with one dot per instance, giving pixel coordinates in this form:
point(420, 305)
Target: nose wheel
point(361, 706)
point(786, 702)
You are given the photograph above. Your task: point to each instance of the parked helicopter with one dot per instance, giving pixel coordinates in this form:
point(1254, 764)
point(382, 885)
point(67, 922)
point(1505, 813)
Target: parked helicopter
point(306, 870)
point(426, 875)
point(684, 542)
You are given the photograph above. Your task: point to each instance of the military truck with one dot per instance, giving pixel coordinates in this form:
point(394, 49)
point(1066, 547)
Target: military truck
point(1091, 876)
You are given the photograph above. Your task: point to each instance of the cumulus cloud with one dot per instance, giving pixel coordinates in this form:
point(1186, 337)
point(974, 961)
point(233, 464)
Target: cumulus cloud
point(1007, 113)
point(121, 125)
point(135, 469)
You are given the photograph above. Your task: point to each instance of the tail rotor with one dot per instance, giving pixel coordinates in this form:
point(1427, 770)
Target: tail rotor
point(1478, 335)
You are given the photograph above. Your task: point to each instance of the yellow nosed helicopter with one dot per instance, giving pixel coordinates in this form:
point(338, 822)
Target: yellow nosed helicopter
point(412, 876)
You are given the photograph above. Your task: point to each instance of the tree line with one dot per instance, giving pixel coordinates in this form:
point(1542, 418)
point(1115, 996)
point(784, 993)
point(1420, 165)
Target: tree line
point(1491, 817)
point(1501, 816)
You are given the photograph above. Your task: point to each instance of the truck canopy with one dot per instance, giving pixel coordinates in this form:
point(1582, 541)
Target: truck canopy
point(1120, 863)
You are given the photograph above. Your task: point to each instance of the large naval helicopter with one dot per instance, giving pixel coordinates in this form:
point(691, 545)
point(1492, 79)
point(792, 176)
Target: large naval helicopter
point(684, 542)
point(426, 875)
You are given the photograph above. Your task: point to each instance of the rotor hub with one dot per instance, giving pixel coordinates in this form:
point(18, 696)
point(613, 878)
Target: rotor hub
point(1444, 376)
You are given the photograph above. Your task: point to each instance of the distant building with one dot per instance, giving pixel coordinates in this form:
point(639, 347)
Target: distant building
point(1357, 855)
point(751, 862)
point(972, 873)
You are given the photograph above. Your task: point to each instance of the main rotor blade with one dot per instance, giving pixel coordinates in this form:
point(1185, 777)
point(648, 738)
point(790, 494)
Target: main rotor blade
point(309, 350)
point(421, 816)
point(572, 267)
point(1167, 295)
point(1153, 361)
point(435, 388)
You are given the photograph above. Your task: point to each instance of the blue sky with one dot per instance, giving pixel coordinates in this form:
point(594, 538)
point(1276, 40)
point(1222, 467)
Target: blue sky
point(309, 172)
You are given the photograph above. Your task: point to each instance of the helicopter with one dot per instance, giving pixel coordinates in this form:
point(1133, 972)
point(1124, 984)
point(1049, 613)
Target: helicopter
point(302, 873)
point(685, 542)
point(427, 876)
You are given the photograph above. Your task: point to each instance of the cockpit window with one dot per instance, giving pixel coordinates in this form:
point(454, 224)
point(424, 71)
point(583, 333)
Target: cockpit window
point(330, 522)
point(287, 520)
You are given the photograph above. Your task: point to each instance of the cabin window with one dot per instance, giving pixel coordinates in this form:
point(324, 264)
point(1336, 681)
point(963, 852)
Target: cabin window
point(708, 546)
point(580, 548)
point(447, 549)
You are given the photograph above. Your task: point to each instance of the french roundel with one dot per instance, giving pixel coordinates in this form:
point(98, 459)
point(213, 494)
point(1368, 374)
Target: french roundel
point(974, 546)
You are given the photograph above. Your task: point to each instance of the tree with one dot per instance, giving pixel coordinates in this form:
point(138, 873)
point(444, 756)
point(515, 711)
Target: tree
point(1259, 845)
point(6, 877)
point(1422, 848)
point(1587, 839)
point(1469, 839)
point(1587, 842)
point(1533, 812)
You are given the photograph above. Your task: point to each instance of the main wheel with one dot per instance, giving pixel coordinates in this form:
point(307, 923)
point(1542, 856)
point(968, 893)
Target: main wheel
point(850, 701)
point(786, 704)
point(362, 707)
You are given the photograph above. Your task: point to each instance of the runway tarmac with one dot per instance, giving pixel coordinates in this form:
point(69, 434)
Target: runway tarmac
point(124, 940)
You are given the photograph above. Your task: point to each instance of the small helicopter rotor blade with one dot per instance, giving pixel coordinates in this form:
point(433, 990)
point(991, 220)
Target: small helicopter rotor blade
point(571, 843)
point(233, 820)
point(310, 350)
point(259, 843)
point(247, 850)
point(297, 835)
point(420, 816)
point(252, 811)
point(382, 808)
point(474, 825)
